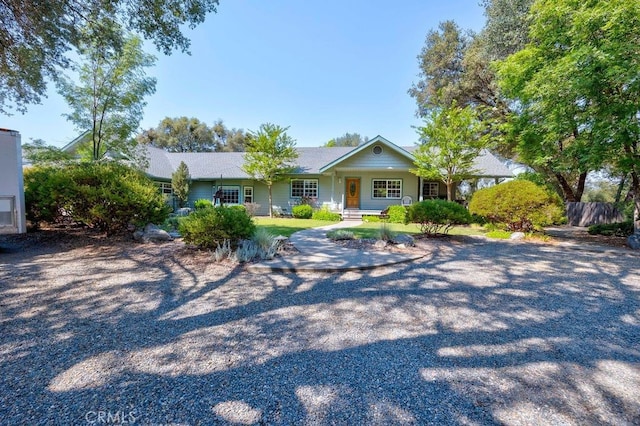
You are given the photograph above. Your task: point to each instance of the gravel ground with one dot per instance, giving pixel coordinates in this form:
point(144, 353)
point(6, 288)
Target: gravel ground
point(97, 331)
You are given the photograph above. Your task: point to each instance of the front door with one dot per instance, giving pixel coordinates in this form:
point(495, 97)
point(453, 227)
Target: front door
point(353, 193)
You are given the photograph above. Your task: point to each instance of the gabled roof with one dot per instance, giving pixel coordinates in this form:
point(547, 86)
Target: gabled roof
point(311, 161)
point(353, 151)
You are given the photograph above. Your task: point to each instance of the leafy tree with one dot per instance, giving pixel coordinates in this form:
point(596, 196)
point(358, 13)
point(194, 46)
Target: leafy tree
point(180, 183)
point(270, 155)
point(348, 139)
point(441, 68)
point(451, 140)
point(181, 134)
point(185, 134)
point(109, 98)
point(576, 81)
point(507, 28)
point(38, 152)
point(35, 36)
point(229, 140)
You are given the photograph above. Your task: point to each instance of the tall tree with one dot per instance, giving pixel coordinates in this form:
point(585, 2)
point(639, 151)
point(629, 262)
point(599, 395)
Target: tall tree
point(507, 27)
point(441, 68)
point(180, 183)
point(270, 156)
point(452, 139)
point(229, 140)
point(577, 88)
point(35, 36)
point(348, 139)
point(109, 98)
point(181, 134)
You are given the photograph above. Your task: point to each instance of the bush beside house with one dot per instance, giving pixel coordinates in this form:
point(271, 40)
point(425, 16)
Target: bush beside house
point(518, 205)
point(105, 196)
point(209, 228)
point(437, 216)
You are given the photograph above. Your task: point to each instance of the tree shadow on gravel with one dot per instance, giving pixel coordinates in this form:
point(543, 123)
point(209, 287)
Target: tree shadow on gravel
point(475, 333)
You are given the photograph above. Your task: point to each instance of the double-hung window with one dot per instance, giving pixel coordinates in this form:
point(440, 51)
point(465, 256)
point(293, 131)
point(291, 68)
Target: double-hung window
point(304, 188)
point(430, 189)
point(387, 189)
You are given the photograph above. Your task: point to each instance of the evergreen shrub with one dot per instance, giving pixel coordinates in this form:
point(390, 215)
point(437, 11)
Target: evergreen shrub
point(209, 228)
point(302, 211)
point(437, 216)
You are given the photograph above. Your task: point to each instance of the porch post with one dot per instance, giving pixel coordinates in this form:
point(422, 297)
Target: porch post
point(420, 186)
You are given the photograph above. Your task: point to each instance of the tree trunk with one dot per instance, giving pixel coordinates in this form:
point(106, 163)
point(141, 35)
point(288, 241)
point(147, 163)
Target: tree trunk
point(270, 203)
point(449, 191)
point(635, 187)
point(568, 193)
point(623, 180)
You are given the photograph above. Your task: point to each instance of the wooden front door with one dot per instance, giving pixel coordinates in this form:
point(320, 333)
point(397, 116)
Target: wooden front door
point(353, 193)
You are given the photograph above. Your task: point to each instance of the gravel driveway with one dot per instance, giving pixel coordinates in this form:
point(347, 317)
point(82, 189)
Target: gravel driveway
point(475, 333)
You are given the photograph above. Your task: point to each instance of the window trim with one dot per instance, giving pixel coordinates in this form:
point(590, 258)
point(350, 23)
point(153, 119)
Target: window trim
point(244, 194)
point(437, 185)
point(386, 180)
point(163, 186)
point(229, 187)
point(304, 188)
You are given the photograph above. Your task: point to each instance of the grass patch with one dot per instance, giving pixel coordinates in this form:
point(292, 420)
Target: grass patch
point(372, 229)
point(287, 226)
point(499, 234)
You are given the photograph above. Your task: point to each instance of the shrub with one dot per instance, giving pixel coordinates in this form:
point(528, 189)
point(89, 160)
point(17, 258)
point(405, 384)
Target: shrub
point(202, 204)
point(397, 214)
point(209, 228)
point(105, 196)
point(437, 216)
point(519, 205)
point(385, 233)
point(325, 214)
point(302, 211)
point(252, 208)
point(340, 234)
point(621, 229)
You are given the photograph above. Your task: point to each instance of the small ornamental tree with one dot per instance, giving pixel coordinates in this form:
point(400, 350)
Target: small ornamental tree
point(209, 228)
point(437, 216)
point(452, 138)
point(519, 205)
point(180, 183)
point(270, 155)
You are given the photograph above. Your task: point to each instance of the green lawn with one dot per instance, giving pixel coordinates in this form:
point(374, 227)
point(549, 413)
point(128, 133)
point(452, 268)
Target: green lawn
point(370, 229)
point(287, 226)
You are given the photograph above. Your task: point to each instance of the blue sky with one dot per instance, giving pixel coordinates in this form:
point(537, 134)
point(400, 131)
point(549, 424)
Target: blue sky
point(322, 68)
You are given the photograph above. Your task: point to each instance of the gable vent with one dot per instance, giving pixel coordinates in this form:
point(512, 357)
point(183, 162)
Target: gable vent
point(377, 150)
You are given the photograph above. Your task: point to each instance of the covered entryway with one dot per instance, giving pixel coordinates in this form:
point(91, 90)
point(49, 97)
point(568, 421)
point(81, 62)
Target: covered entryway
point(352, 193)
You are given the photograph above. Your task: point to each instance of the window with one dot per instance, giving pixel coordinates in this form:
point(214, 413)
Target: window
point(231, 194)
point(387, 188)
point(430, 189)
point(248, 194)
point(165, 188)
point(304, 188)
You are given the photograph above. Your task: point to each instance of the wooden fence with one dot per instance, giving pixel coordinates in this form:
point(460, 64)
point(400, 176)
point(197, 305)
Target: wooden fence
point(587, 214)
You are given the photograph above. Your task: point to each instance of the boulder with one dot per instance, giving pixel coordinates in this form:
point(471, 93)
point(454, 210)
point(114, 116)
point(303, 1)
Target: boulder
point(380, 244)
point(405, 239)
point(517, 236)
point(634, 241)
point(151, 233)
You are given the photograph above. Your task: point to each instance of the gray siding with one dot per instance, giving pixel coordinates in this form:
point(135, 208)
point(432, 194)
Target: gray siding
point(368, 160)
point(367, 202)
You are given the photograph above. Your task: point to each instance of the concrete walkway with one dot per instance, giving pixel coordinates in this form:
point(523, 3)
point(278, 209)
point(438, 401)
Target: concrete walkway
point(319, 254)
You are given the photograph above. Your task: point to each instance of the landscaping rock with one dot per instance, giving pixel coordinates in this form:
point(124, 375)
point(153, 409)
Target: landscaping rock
point(152, 233)
point(405, 239)
point(517, 236)
point(634, 241)
point(380, 244)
